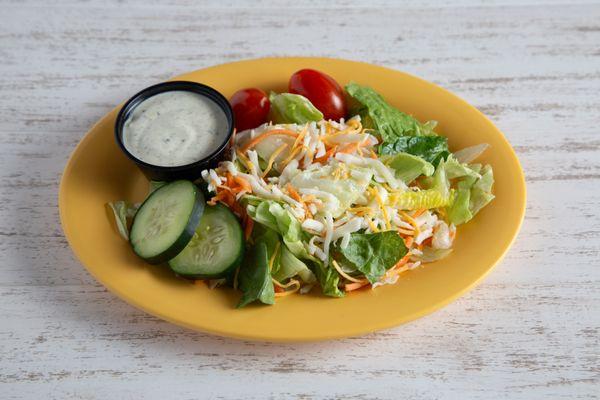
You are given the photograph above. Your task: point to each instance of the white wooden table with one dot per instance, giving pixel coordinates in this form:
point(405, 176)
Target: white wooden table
point(530, 331)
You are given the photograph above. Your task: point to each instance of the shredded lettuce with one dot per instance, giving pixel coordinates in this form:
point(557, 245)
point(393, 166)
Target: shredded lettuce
point(288, 108)
point(345, 189)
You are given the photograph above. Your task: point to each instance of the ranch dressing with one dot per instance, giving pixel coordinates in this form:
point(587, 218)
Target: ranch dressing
point(175, 128)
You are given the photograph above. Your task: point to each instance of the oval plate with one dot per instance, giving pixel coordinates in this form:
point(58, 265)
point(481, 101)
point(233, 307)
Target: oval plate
point(98, 172)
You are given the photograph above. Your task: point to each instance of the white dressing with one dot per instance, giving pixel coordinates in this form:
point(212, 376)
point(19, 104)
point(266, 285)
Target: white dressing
point(175, 128)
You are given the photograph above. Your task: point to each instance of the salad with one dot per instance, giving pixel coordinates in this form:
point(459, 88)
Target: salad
point(324, 188)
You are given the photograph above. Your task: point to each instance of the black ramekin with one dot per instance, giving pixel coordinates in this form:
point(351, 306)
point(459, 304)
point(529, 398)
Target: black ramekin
point(189, 171)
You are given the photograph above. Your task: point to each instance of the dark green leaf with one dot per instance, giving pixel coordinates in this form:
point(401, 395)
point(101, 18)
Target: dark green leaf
point(376, 113)
point(328, 278)
point(255, 278)
point(430, 148)
point(374, 253)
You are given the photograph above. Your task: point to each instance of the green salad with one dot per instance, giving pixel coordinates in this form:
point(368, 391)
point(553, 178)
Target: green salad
point(311, 201)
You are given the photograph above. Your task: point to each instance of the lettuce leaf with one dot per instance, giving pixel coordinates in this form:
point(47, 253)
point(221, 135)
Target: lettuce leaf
point(290, 266)
point(272, 214)
point(123, 212)
point(254, 277)
point(469, 154)
point(474, 191)
point(408, 167)
point(328, 278)
point(481, 192)
point(374, 253)
point(389, 122)
point(429, 198)
point(432, 149)
point(288, 108)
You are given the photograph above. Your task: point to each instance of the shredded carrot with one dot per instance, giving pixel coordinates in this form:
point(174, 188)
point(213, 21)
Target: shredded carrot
point(293, 193)
point(266, 134)
point(353, 286)
point(402, 261)
point(243, 183)
point(427, 242)
point(280, 287)
point(288, 292)
point(419, 212)
point(405, 232)
point(409, 241)
point(327, 154)
point(217, 197)
point(373, 154)
point(350, 148)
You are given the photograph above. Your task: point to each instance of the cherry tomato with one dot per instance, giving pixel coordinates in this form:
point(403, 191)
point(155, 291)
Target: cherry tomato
point(250, 108)
point(322, 91)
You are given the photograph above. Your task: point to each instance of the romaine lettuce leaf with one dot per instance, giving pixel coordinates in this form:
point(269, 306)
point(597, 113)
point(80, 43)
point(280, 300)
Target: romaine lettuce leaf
point(469, 154)
point(123, 211)
point(290, 266)
point(432, 149)
point(373, 253)
point(328, 278)
point(428, 198)
point(254, 277)
point(389, 122)
point(408, 167)
point(272, 215)
point(288, 108)
point(473, 193)
point(481, 192)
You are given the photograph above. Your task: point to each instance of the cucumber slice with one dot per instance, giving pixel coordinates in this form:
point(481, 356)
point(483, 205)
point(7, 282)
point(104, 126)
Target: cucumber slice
point(166, 221)
point(216, 248)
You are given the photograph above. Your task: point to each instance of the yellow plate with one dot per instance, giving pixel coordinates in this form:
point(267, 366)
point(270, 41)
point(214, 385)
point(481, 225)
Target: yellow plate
point(98, 172)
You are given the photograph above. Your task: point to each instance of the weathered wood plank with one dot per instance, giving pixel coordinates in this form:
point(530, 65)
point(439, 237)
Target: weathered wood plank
point(530, 331)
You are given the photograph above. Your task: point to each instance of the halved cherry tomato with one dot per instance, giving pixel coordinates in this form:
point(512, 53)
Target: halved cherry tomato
point(322, 91)
point(250, 107)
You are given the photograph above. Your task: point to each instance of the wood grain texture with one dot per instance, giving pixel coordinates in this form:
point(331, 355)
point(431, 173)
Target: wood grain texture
point(530, 331)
